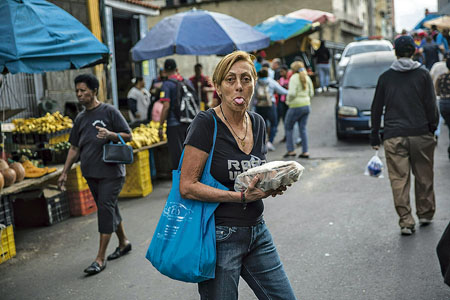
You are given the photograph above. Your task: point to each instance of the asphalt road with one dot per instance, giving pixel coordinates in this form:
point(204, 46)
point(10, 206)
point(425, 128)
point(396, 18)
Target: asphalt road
point(336, 231)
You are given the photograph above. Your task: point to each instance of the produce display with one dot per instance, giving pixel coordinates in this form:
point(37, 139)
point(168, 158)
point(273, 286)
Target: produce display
point(146, 135)
point(271, 175)
point(49, 123)
point(9, 175)
point(31, 171)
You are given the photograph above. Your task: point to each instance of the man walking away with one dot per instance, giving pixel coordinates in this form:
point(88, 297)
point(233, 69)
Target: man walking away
point(431, 52)
point(406, 94)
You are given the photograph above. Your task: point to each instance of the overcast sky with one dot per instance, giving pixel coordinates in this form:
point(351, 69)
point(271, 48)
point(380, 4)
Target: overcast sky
point(409, 12)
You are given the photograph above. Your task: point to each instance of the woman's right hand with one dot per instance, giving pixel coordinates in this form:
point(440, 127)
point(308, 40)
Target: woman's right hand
point(62, 181)
point(252, 193)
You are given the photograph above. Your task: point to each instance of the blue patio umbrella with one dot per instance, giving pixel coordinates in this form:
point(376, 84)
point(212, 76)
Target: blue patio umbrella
point(282, 28)
point(37, 36)
point(198, 32)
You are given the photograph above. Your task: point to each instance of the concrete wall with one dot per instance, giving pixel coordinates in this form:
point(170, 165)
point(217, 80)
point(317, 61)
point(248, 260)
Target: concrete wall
point(76, 8)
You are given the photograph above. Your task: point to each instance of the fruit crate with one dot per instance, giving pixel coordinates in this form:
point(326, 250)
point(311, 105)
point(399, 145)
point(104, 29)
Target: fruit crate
point(138, 182)
point(40, 207)
point(7, 244)
point(57, 205)
point(54, 137)
point(6, 211)
point(75, 181)
point(81, 203)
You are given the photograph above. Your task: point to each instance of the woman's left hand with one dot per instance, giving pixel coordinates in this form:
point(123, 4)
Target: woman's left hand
point(103, 133)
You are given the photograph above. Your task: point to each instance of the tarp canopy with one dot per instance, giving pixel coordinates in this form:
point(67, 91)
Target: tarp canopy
point(312, 15)
point(198, 32)
point(441, 22)
point(37, 36)
point(282, 28)
point(428, 17)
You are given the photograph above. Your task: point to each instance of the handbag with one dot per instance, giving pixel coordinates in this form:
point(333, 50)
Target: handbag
point(119, 153)
point(183, 246)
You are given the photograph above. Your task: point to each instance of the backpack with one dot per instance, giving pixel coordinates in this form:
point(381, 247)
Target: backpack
point(262, 94)
point(187, 104)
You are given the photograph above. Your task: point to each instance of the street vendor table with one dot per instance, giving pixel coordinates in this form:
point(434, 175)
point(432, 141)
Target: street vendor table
point(33, 182)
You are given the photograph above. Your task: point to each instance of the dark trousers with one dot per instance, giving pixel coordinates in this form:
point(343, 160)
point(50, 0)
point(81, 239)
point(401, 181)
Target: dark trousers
point(175, 139)
point(106, 192)
point(416, 154)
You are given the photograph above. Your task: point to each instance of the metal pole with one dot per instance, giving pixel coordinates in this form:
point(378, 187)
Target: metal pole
point(110, 39)
point(370, 15)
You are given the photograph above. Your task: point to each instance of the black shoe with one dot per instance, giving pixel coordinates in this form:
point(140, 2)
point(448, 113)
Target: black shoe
point(303, 155)
point(95, 268)
point(289, 155)
point(118, 253)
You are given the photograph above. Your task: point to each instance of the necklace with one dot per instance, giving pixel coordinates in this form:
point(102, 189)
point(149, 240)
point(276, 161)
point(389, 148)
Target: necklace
point(246, 125)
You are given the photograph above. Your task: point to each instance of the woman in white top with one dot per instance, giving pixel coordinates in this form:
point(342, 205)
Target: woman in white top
point(138, 101)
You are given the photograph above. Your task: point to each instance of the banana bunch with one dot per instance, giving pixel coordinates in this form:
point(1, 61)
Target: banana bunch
point(146, 135)
point(47, 124)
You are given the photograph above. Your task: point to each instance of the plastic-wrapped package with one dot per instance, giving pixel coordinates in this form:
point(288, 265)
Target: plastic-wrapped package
point(374, 167)
point(272, 175)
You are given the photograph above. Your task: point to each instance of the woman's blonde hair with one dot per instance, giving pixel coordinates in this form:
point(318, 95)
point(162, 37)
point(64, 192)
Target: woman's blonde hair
point(228, 61)
point(296, 66)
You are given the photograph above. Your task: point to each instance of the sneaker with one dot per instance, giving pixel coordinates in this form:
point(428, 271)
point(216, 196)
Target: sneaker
point(407, 230)
point(424, 221)
point(270, 146)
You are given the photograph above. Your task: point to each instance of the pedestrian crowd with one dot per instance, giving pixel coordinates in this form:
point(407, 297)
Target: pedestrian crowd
point(236, 116)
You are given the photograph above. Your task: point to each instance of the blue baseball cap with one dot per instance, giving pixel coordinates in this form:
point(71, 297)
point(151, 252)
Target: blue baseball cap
point(404, 42)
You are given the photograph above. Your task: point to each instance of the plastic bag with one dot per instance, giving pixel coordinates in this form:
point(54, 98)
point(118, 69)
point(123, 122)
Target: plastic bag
point(272, 175)
point(375, 167)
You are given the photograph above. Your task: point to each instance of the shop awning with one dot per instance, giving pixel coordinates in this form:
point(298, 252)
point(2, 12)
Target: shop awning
point(282, 28)
point(37, 36)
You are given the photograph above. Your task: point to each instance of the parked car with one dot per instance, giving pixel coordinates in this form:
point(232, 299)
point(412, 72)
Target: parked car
point(357, 48)
point(356, 91)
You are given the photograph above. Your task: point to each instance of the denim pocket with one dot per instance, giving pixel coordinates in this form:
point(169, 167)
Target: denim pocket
point(223, 233)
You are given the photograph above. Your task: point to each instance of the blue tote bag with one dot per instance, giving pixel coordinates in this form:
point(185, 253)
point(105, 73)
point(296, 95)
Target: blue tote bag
point(183, 246)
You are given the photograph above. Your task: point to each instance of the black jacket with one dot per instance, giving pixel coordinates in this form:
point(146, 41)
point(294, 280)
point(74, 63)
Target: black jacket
point(409, 102)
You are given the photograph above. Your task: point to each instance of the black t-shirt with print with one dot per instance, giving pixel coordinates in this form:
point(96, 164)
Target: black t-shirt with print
point(84, 136)
point(228, 162)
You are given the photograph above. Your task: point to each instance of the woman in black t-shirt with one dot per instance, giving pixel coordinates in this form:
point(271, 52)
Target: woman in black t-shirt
point(244, 245)
point(98, 124)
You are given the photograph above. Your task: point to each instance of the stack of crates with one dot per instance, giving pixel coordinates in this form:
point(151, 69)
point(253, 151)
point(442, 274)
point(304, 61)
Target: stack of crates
point(7, 244)
point(138, 182)
point(81, 200)
point(57, 205)
point(40, 207)
point(6, 211)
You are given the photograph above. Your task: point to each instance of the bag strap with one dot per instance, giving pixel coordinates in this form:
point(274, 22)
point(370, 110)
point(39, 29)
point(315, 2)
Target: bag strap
point(210, 156)
point(120, 138)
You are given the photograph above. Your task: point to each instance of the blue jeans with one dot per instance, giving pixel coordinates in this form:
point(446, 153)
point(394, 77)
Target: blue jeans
point(299, 115)
point(269, 114)
point(248, 252)
point(324, 74)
